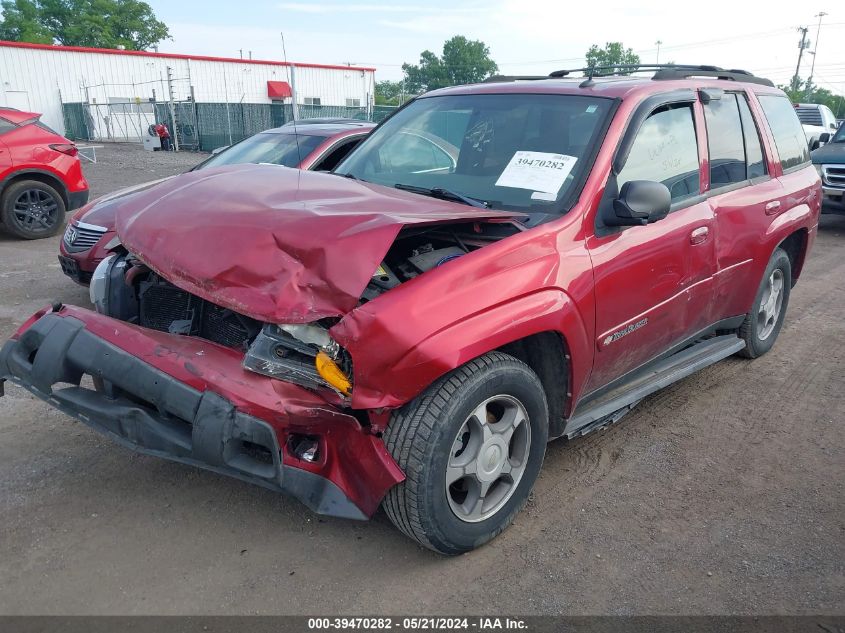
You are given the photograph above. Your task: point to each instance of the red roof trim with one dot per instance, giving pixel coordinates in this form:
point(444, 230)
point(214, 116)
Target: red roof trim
point(202, 58)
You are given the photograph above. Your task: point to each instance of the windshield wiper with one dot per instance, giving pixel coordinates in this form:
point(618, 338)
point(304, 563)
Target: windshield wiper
point(444, 194)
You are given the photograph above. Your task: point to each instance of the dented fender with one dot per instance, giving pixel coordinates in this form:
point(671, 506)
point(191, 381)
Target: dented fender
point(407, 338)
point(413, 367)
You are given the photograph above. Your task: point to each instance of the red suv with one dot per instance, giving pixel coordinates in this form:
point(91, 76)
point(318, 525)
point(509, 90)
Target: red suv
point(315, 144)
point(496, 265)
point(40, 176)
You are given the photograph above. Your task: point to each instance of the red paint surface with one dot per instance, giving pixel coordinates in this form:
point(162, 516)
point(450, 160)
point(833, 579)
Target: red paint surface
point(352, 458)
point(288, 246)
point(100, 212)
point(273, 243)
point(27, 149)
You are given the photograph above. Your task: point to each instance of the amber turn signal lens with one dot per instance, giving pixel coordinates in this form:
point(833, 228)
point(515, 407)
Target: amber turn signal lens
point(333, 374)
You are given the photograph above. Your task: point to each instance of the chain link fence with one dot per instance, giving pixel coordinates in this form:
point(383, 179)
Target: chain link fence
point(195, 126)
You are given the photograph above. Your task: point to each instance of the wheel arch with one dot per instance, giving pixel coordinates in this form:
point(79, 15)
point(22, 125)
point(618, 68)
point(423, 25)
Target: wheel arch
point(544, 329)
point(795, 245)
point(38, 175)
point(547, 354)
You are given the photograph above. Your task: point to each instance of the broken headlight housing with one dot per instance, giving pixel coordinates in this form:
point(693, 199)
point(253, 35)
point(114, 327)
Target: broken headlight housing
point(302, 354)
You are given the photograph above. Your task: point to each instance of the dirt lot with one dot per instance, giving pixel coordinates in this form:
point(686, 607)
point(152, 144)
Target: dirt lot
point(722, 494)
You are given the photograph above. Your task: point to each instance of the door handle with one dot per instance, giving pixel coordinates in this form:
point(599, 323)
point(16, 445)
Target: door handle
point(699, 235)
point(772, 207)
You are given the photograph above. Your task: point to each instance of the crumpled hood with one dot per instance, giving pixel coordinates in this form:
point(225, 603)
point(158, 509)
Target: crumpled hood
point(100, 211)
point(273, 243)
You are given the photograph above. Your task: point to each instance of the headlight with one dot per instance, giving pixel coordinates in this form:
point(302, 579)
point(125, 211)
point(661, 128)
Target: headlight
point(302, 354)
point(98, 290)
point(819, 169)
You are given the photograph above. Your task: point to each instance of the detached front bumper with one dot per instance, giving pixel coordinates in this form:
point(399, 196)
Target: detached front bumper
point(188, 400)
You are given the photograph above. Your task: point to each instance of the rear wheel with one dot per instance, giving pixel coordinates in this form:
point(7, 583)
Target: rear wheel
point(471, 447)
point(763, 324)
point(32, 210)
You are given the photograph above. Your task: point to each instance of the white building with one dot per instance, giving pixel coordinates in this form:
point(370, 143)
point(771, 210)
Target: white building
point(39, 78)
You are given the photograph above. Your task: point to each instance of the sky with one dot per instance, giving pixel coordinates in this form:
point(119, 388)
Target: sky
point(524, 36)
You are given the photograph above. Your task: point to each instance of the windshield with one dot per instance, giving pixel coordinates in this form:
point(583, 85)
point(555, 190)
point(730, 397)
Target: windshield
point(266, 147)
point(523, 152)
point(839, 137)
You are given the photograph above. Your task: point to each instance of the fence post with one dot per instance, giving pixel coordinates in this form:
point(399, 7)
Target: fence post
point(294, 108)
point(172, 108)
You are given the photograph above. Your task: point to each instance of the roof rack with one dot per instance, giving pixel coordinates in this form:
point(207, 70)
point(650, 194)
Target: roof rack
point(665, 72)
point(661, 72)
point(500, 78)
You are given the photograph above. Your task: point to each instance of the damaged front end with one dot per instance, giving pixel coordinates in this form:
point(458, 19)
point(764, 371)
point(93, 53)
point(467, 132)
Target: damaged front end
point(213, 339)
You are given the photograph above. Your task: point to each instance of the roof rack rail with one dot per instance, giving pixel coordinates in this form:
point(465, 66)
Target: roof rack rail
point(666, 72)
point(498, 78)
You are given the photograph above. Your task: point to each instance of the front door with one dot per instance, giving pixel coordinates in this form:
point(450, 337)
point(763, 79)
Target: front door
point(654, 283)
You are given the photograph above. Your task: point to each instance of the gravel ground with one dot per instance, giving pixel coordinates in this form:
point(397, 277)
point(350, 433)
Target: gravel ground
point(720, 495)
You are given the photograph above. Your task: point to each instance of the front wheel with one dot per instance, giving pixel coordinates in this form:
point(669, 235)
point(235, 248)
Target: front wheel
point(763, 324)
point(32, 210)
point(471, 447)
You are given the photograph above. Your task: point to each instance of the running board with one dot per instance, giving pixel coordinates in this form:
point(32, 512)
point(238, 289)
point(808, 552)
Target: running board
point(610, 408)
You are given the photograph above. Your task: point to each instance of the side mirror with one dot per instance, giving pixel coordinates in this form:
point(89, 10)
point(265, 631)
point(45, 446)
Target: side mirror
point(640, 202)
point(824, 137)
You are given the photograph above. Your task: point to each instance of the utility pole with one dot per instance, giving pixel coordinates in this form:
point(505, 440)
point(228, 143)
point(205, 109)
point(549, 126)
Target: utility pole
point(658, 43)
point(820, 15)
point(172, 96)
point(796, 80)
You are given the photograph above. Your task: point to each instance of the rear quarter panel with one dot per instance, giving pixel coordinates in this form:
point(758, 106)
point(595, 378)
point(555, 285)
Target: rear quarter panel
point(30, 151)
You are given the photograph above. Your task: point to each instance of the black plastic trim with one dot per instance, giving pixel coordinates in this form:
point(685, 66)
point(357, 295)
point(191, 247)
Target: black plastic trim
point(152, 413)
point(76, 199)
point(670, 370)
point(724, 325)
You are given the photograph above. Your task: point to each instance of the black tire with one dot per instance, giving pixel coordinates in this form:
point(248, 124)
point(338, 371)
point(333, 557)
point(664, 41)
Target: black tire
point(44, 217)
point(758, 338)
point(423, 434)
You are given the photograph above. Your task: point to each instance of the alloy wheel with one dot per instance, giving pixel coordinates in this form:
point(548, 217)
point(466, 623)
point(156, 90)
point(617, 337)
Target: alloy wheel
point(488, 458)
point(771, 304)
point(35, 211)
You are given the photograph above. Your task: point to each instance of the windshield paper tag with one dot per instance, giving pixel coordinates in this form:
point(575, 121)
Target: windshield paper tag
point(537, 171)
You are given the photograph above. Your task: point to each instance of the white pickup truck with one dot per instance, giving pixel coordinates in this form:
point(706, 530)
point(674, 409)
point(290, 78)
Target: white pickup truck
point(816, 119)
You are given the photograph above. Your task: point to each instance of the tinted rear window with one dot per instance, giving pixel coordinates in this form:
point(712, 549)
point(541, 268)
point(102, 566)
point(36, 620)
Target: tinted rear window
point(45, 127)
point(6, 126)
point(787, 130)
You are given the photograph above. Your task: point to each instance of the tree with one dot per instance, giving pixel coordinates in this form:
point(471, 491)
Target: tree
point(130, 24)
point(20, 23)
point(462, 62)
point(613, 54)
point(388, 92)
point(801, 91)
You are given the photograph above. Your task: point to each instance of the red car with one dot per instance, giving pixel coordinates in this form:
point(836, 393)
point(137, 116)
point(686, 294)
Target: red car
point(40, 176)
point(316, 145)
point(495, 266)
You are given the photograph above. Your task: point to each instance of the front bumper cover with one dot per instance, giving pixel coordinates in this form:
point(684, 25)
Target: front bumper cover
point(150, 411)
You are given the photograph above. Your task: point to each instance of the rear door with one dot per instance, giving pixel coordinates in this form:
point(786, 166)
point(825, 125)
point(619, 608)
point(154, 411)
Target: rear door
point(743, 195)
point(653, 283)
